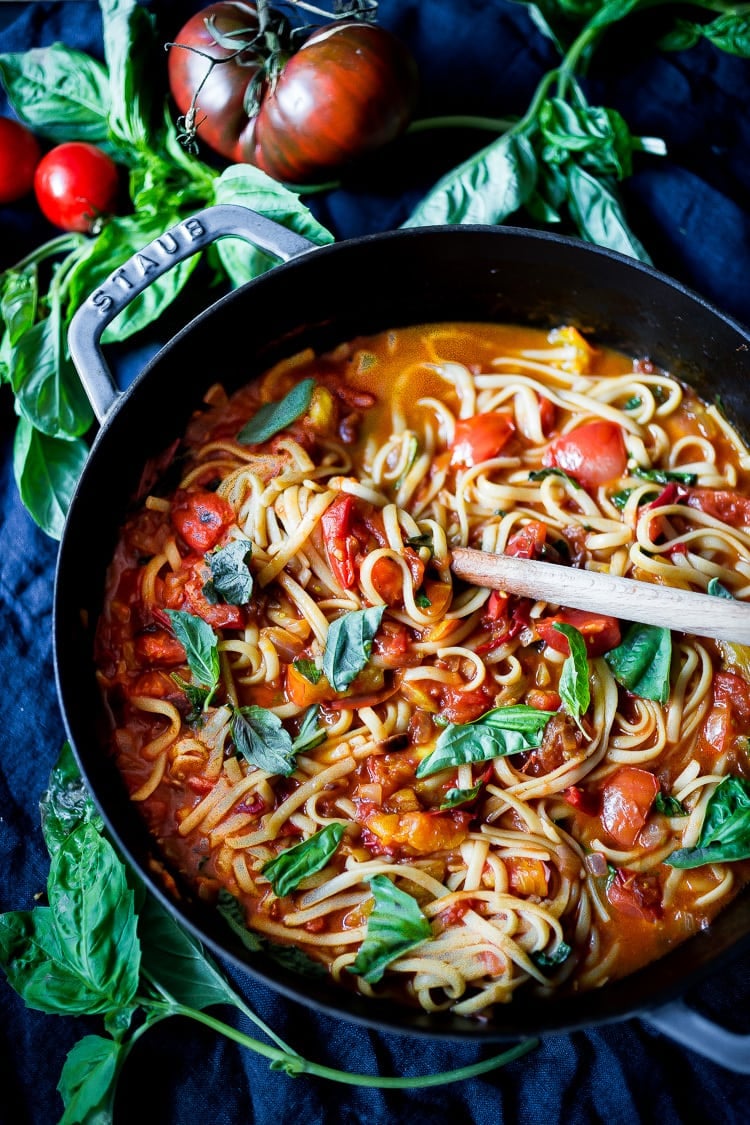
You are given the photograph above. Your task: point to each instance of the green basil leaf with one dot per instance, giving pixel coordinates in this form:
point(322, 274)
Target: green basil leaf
point(614, 11)
point(130, 49)
point(669, 806)
point(65, 803)
point(665, 476)
point(249, 187)
point(620, 499)
point(48, 391)
point(233, 914)
point(395, 926)
point(262, 740)
point(46, 471)
point(642, 660)
point(598, 214)
point(725, 836)
point(497, 733)
point(287, 870)
point(231, 579)
point(198, 697)
point(310, 734)
point(121, 238)
point(18, 301)
point(308, 669)
point(598, 135)
point(633, 403)
point(37, 968)
point(574, 678)
point(683, 35)
point(542, 474)
point(730, 32)
point(487, 188)
point(60, 93)
point(201, 646)
point(718, 590)
point(88, 1080)
point(178, 962)
point(421, 600)
point(549, 960)
point(455, 797)
point(276, 416)
point(349, 645)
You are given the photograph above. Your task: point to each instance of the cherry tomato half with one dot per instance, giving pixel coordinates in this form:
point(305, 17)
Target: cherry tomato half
point(592, 454)
point(480, 437)
point(19, 156)
point(626, 800)
point(600, 632)
point(349, 89)
point(76, 186)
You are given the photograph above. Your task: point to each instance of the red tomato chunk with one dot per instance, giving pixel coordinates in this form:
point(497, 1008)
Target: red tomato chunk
point(626, 800)
point(592, 454)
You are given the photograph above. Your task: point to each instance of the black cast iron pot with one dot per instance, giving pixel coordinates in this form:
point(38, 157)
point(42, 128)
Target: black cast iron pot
point(320, 297)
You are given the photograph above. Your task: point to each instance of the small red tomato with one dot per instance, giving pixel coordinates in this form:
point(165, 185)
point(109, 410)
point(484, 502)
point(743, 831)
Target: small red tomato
point(600, 632)
point(626, 801)
point(201, 517)
point(592, 454)
point(19, 156)
point(76, 186)
point(480, 437)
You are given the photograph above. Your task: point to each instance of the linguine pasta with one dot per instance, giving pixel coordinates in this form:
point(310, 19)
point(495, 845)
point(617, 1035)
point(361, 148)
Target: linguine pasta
point(431, 790)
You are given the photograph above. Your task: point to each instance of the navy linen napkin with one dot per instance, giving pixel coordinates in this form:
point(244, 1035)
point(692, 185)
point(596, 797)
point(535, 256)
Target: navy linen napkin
point(691, 211)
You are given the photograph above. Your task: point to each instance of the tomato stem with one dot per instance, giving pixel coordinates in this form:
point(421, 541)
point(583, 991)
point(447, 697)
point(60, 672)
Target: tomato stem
point(60, 245)
point(461, 121)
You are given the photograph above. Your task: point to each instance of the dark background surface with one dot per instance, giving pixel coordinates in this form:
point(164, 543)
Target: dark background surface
point(691, 211)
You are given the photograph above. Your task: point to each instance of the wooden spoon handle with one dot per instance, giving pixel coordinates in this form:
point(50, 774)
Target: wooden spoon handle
point(627, 598)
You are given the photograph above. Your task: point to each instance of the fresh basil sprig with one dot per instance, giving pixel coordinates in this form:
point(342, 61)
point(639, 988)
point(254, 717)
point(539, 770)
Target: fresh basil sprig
point(287, 870)
point(725, 836)
point(231, 580)
point(542, 474)
point(560, 954)
point(308, 669)
point(667, 805)
point(102, 949)
point(718, 590)
point(497, 733)
point(201, 648)
point(454, 797)
point(310, 734)
point(574, 678)
point(642, 661)
point(349, 645)
point(273, 417)
point(395, 925)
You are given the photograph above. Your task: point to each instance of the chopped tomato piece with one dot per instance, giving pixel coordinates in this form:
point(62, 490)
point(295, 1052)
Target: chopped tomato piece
point(184, 590)
point(527, 876)
point(301, 691)
point(600, 632)
point(543, 700)
point(729, 715)
point(341, 545)
point(592, 454)
point(496, 608)
point(464, 706)
point(527, 542)
point(547, 415)
point(627, 798)
point(201, 517)
point(581, 799)
point(420, 831)
point(392, 643)
point(480, 437)
point(159, 647)
point(636, 895)
point(729, 507)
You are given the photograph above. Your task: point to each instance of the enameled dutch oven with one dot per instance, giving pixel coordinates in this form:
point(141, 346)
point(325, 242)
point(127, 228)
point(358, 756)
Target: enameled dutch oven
point(320, 297)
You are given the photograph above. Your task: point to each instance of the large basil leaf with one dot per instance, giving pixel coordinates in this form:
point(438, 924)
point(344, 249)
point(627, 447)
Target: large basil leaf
point(177, 962)
point(598, 135)
point(598, 214)
point(89, 1080)
point(497, 733)
point(486, 188)
point(65, 803)
point(201, 646)
point(46, 471)
point(574, 678)
point(273, 417)
point(122, 237)
point(231, 579)
point(130, 50)
point(248, 186)
point(349, 645)
point(80, 955)
point(725, 835)
point(642, 661)
point(288, 869)
point(46, 385)
point(18, 301)
point(60, 93)
point(395, 925)
point(263, 741)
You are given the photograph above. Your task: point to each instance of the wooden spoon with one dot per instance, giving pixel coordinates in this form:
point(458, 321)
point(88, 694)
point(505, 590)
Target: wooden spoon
point(627, 598)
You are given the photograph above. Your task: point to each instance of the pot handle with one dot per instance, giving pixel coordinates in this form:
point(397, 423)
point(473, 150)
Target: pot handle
point(136, 274)
point(690, 1029)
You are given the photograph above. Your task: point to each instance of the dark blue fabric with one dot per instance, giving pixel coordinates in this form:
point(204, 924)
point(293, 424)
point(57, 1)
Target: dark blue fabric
point(691, 210)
